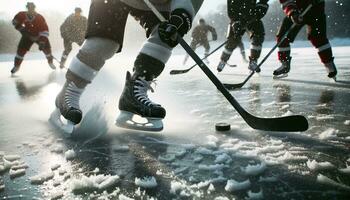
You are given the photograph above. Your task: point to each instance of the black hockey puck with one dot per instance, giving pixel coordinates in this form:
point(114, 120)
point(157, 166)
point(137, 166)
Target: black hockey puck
point(222, 126)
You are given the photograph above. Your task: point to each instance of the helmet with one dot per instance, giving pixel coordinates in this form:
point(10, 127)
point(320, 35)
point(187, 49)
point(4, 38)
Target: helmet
point(30, 4)
point(77, 9)
point(201, 21)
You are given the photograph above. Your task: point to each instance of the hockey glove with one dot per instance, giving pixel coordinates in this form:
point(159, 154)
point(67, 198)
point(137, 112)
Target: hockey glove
point(296, 18)
point(215, 37)
point(180, 22)
point(260, 10)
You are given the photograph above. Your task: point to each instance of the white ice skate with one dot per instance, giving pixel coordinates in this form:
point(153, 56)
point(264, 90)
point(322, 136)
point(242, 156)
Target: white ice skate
point(65, 126)
point(130, 120)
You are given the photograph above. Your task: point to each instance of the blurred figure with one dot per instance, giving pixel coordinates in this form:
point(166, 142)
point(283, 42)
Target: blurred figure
point(315, 20)
point(72, 30)
point(34, 29)
point(245, 16)
point(200, 37)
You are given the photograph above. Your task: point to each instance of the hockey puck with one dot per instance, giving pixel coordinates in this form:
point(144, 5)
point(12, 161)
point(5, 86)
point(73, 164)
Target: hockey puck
point(222, 126)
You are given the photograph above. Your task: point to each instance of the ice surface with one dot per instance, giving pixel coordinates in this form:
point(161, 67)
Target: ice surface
point(233, 186)
point(257, 195)
point(314, 165)
point(167, 158)
point(146, 182)
point(328, 134)
point(70, 154)
point(325, 180)
point(93, 182)
point(41, 178)
point(253, 170)
point(17, 173)
point(57, 148)
point(120, 148)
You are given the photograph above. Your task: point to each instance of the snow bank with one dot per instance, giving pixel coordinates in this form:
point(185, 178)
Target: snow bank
point(233, 185)
point(325, 180)
point(41, 178)
point(70, 154)
point(146, 182)
point(314, 165)
point(254, 170)
point(93, 183)
point(328, 134)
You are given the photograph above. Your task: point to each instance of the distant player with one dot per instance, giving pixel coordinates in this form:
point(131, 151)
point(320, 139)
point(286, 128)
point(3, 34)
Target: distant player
point(245, 16)
point(315, 20)
point(104, 38)
point(200, 37)
point(34, 29)
point(72, 30)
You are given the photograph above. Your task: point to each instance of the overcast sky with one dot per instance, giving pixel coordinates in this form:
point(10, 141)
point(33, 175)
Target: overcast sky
point(8, 8)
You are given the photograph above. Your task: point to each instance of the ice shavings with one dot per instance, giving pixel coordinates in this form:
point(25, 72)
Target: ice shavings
point(314, 165)
point(12, 158)
point(17, 173)
point(211, 167)
point(146, 182)
point(167, 158)
point(325, 180)
point(55, 166)
point(254, 170)
point(204, 151)
point(123, 197)
point(347, 122)
point(324, 117)
point(41, 178)
point(290, 157)
point(288, 113)
point(93, 182)
point(328, 134)
point(70, 154)
point(57, 195)
point(233, 185)
point(345, 170)
point(223, 158)
point(176, 186)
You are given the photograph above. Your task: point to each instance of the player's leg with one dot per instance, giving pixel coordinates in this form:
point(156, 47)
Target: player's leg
point(257, 36)
point(67, 49)
point(23, 47)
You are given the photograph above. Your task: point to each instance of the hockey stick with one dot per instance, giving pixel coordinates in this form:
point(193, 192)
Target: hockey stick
point(284, 124)
point(182, 71)
point(239, 85)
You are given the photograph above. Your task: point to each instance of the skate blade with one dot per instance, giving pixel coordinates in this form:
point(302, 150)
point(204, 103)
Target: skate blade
point(129, 120)
point(280, 76)
point(56, 120)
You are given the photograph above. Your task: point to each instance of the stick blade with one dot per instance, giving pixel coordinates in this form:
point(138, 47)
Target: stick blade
point(295, 123)
point(174, 72)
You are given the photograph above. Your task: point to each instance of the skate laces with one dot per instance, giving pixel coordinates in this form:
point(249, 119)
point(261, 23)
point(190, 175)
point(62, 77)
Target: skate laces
point(72, 95)
point(140, 90)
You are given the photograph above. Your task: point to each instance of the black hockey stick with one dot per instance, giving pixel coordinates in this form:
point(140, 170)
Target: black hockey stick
point(182, 71)
point(283, 124)
point(239, 85)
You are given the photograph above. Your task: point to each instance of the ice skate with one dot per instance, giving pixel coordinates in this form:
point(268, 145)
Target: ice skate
point(253, 65)
point(14, 69)
point(221, 66)
point(134, 103)
point(282, 71)
point(67, 105)
point(52, 66)
point(332, 70)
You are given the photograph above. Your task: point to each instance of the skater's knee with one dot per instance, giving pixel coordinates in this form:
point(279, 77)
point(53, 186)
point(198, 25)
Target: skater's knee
point(96, 51)
point(156, 48)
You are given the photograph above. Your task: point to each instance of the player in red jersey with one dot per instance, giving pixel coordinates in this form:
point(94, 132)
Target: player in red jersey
point(315, 20)
point(34, 29)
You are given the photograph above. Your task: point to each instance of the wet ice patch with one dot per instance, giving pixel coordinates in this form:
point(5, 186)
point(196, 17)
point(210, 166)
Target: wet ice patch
point(314, 165)
point(233, 185)
point(325, 180)
point(146, 182)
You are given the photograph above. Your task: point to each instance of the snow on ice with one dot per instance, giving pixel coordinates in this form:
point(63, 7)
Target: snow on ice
point(233, 185)
point(94, 182)
point(254, 170)
point(41, 178)
point(70, 154)
point(314, 165)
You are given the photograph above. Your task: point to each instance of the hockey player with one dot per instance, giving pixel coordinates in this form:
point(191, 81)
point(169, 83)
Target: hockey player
point(315, 20)
point(73, 30)
point(200, 37)
point(34, 29)
point(245, 16)
point(106, 25)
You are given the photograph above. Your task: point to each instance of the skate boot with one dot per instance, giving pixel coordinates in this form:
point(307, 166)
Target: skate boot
point(67, 105)
point(282, 71)
point(14, 69)
point(63, 61)
point(221, 66)
point(52, 66)
point(253, 65)
point(332, 70)
point(134, 101)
